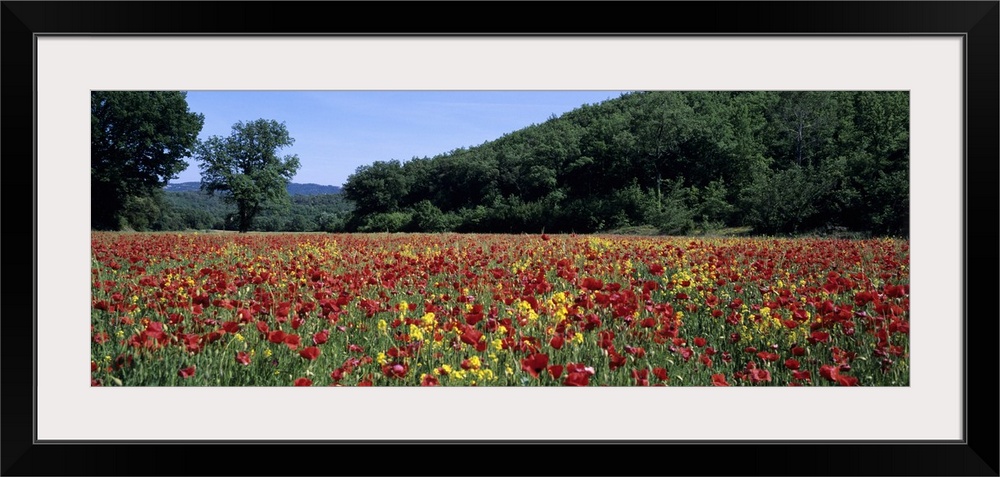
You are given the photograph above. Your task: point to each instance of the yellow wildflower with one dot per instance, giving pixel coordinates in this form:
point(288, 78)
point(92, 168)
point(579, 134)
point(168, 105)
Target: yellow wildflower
point(428, 319)
point(416, 333)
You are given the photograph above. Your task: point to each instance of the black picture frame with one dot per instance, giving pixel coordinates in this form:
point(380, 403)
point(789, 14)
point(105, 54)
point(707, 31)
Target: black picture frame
point(977, 22)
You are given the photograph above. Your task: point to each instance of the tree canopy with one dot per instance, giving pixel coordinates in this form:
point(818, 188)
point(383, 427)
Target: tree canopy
point(137, 144)
point(245, 168)
point(781, 162)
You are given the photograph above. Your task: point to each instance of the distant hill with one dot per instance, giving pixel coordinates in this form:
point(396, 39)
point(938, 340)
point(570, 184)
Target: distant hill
point(293, 188)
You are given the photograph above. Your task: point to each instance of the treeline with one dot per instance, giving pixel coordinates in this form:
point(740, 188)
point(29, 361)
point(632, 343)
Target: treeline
point(196, 210)
point(779, 162)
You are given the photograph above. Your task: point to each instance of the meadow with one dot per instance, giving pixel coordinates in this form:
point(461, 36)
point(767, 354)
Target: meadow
point(284, 309)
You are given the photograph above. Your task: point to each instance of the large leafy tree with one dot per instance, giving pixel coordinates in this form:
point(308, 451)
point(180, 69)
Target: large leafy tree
point(245, 168)
point(138, 142)
point(377, 188)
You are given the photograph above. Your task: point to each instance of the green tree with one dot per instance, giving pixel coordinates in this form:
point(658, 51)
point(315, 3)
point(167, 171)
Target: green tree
point(784, 202)
point(245, 167)
point(376, 189)
point(138, 141)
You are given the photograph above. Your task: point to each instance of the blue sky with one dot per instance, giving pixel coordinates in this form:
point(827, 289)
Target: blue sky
point(335, 132)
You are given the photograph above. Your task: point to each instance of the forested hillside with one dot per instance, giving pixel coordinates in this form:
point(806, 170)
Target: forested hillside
point(292, 188)
point(779, 162)
point(196, 210)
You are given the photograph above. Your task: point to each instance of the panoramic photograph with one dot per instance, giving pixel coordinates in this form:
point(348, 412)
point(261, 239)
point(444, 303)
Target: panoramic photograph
point(500, 238)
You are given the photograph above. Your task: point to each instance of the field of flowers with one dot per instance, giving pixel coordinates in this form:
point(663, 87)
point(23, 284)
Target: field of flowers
point(496, 310)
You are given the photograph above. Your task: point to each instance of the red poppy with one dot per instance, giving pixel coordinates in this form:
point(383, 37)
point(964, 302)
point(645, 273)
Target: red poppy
point(577, 379)
point(337, 375)
point(605, 339)
point(592, 284)
point(310, 353)
point(802, 375)
point(395, 370)
point(231, 326)
point(556, 342)
point(699, 341)
point(841, 356)
point(580, 368)
point(276, 336)
point(829, 372)
point(303, 382)
point(766, 356)
point(473, 318)
point(638, 351)
point(244, 315)
point(396, 352)
point(243, 358)
point(213, 336)
point(615, 359)
point(471, 336)
point(321, 337)
point(661, 373)
point(186, 372)
point(555, 371)
point(293, 341)
point(845, 380)
point(719, 380)
point(535, 363)
point(429, 380)
point(759, 374)
point(819, 337)
point(792, 364)
point(641, 377)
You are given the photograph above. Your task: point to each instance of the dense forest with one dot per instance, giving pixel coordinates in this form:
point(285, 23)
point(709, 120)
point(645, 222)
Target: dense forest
point(196, 210)
point(787, 162)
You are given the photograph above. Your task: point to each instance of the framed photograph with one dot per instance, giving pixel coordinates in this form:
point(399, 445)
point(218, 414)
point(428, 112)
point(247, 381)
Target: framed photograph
point(943, 54)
